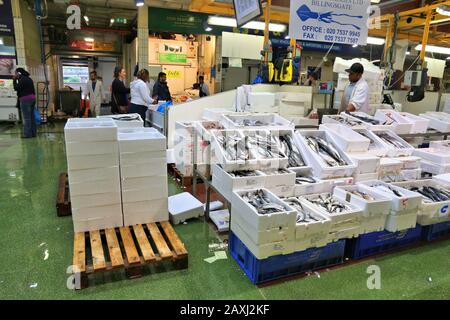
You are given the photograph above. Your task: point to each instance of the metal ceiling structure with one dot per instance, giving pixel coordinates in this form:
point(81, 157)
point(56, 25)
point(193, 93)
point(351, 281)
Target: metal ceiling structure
point(100, 12)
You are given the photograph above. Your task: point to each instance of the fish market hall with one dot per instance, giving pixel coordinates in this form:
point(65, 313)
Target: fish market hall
point(194, 150)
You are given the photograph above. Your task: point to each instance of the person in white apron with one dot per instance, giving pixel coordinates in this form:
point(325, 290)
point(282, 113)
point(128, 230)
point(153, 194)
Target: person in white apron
point(356, 93)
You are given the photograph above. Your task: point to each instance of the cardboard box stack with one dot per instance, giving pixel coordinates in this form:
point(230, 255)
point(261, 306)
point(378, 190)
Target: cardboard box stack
point(93, 169)
point(143, 171)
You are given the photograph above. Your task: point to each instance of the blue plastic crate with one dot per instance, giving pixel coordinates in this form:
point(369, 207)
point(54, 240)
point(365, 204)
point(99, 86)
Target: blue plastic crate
point(379, 242)
point(281, 266)
point(436, 231)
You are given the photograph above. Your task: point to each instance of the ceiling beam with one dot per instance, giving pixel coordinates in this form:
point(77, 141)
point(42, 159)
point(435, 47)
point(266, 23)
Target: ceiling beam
point(199, 4)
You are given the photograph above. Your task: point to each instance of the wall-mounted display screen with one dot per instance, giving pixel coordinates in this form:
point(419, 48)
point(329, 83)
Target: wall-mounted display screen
point(75, 76)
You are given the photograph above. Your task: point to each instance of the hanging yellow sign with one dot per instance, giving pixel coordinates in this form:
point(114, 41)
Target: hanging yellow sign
point(173, 74)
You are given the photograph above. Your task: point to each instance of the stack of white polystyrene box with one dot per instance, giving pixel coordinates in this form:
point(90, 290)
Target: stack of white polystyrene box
point(132, 120)
point(434, 160)
point(143, 168)
point(93, 169)
point(262, 102)
point(293, 106)
point(404, 208)
point(184, 149)
point(264, 235)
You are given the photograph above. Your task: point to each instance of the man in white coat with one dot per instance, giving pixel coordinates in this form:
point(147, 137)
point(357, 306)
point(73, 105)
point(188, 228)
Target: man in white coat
point(356, 93)
point(95, 93)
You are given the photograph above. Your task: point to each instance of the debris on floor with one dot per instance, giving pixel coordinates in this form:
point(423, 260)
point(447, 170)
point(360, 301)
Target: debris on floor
point(33, 285)
point(46, 255)
point(217, 247)
point(221, 255)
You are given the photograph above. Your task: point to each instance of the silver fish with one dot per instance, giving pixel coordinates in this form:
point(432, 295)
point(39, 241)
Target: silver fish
point(327, 152)
point(330, 204)
point(302, 215)
point(262, 203)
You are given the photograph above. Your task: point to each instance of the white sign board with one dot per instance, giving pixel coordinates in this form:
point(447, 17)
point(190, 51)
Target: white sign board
point(335, 21)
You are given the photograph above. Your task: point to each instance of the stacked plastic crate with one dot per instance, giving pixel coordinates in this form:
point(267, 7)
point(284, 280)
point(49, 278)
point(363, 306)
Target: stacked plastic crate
point(93, 169)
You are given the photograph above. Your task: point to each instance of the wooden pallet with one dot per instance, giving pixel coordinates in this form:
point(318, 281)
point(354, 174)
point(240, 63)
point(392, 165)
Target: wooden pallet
point(127, 248)
point(63, 205)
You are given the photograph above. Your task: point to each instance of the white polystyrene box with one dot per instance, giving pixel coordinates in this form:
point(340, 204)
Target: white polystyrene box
point(402, 126)
point(345, 138)
point(380, 206)
point(89, 175)
point(439, 121)
point(320, 169)
point(365, 177)
point(149, 194)
point(337, 119)
point(92, 161)
point(443, 179)
point(376, 147)
point(276, 178)
point(130, 158)
point(184, 206)
point(434, 168)
point(390, 166)
point(420, 124)
point(343, 225)
point(266, 236)
point(131, 120)
point(144, 182)
point(141, 141)
point(97, 223)
point(410, 174)
point(274, 121)
point(249, 213)
point(406, 151)
point(263, 251)
point(91, 148)
point(440, 144)
point(409, 163)
point(92, 187)
point(145, 212)
point(257, 99)
point(365, 163)
point(95, 199)
point(430, 213)
point(396, 222)
point(283, 191)
point(370, 126)
point(409, 201)
point(436, 155)
point(112, 212)
point(153, 167)
point(90, 129)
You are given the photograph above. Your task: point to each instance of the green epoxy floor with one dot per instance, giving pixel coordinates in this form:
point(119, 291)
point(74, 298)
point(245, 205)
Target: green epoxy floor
point(29, 171)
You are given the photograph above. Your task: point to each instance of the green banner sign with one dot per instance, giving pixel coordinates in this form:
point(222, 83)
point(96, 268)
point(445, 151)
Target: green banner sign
point(176, 21)
point(172, 58)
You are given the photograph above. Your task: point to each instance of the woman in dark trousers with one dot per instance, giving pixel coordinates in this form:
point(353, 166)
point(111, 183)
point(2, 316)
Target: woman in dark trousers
point(140, 95)
point(119, 93)
point(24, 86)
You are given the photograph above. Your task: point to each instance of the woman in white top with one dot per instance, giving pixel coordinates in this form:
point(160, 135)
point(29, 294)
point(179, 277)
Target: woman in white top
point(141, 100)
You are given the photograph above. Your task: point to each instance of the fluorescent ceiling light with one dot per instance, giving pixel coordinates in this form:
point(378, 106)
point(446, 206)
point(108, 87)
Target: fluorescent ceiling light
point(434, 49)
point(111, 21)
point(444, 10)
point(257, 25)
point(408, 53)
point(287, 37)
point(354, 46)
point(376, 41)
point(86, 18)
point(448, 58)
point(375, 1)
point(1, 42)
point(75, 57)
point(89, 39)
point(208, 29)
point(139, 3)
